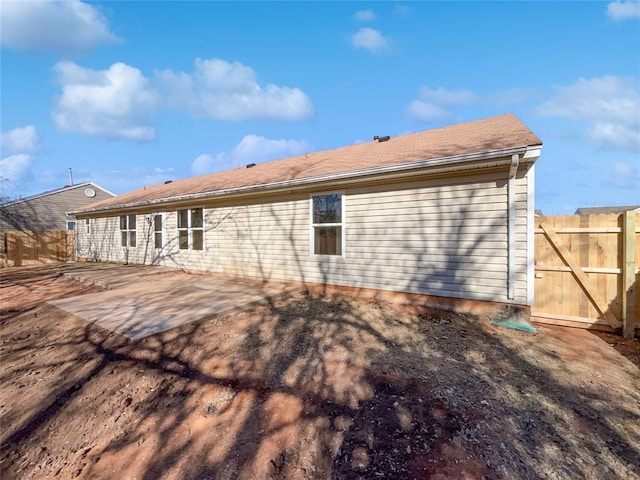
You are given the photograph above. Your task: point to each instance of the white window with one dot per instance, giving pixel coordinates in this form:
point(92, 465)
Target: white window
point(71, 225)
point(128, 230)
point(87, 225)
point(327, 224)
point(190, 229)
point(157, 231)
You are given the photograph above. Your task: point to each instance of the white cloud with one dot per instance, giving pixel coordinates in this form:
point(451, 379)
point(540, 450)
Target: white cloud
point(259, 149)
point(14, 168)
point(365, 15)
point(67, 27)
point(251, 149)
point(610, 104)
point(625, 175)
point(608, 98)
point(204, 163)
point(401, 10)
point(120, 102)
point(430, 105)
point(614, 136)
point(621, 10)
point(230, 91)
point(371, 39)
point(20, 140)
point(625, 170)
point(427, 112)
point(112, 103)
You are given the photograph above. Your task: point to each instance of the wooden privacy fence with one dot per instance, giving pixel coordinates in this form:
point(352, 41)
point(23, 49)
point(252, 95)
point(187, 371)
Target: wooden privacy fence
point(587, 271)
point(28, 248)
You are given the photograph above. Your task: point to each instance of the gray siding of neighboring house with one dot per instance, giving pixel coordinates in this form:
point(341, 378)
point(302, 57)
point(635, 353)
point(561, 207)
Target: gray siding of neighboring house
point(49, 211)
point(437, 236)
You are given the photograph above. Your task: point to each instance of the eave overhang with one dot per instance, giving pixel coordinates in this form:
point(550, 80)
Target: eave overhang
point(456, 163)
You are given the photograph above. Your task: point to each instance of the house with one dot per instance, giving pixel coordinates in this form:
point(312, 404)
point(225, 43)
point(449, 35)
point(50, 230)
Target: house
point(446, 213)
point(598, 210)
point(47, 211)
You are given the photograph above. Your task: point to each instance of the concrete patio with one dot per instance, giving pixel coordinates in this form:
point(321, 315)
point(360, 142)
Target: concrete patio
point(140, 301)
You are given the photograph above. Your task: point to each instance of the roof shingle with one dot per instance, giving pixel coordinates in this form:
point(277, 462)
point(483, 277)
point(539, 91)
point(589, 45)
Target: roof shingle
point(497, 133)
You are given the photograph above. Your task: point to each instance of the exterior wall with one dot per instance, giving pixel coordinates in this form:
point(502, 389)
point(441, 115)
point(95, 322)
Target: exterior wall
point(443, 237)
point(48, 212)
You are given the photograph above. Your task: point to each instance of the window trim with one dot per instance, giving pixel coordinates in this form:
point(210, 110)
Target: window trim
point(128, 230)
point(343, 224)
point(87, 226)
point(190, 229)
point(161, 231)
point(75, 225)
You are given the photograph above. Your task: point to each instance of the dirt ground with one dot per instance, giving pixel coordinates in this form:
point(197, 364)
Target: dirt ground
point(309, 388)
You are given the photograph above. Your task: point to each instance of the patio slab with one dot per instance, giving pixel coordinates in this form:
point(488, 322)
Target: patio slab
point(143, 301)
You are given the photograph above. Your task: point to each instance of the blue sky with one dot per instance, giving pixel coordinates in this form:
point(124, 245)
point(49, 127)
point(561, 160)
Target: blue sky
point(135, 93)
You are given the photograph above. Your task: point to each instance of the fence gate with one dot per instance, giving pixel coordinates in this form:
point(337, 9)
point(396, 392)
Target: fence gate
point(587, 271)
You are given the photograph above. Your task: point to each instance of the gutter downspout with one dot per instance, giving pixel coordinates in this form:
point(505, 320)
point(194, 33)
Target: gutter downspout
point(511, 226)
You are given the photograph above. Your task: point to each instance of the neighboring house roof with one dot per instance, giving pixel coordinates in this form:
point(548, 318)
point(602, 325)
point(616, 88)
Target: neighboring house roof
point(458, 142)
point(538, 213)
point(614, 209)
point(48, 210)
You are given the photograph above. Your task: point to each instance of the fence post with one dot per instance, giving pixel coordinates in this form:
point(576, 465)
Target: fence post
point(628, 273)
point(19, 247)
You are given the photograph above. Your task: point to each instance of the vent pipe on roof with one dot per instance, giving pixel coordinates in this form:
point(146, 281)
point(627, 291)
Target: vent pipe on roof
point(251, 165)
point(70, 177)
point(381, 139)
point(168, 182)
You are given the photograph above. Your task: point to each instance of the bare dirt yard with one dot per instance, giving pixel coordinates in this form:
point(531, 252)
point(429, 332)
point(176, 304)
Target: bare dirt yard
point(308, 388)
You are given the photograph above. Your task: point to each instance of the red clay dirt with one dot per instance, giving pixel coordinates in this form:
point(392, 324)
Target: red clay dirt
point(308, 387)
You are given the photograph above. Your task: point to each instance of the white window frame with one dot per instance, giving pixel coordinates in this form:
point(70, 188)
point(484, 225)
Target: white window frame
point(161, 231)
point(128, 230)
point(343, 224)
point(75, 225)
point(189, 229)
point(87, 226)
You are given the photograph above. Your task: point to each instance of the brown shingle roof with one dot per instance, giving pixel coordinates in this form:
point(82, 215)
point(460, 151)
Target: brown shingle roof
point(497, 133)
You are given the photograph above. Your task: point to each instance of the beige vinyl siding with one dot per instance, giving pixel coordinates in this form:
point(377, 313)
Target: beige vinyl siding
point(443, 236)
point(172, 256)
point(266, 240)
point(103, 243)
point(435, 237)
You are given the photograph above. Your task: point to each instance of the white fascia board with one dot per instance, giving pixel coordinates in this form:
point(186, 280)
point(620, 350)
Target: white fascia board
point(102, 188)
point(532, 153)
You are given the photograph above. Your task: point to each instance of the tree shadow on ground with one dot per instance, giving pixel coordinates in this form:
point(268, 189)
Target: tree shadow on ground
point(315, 387)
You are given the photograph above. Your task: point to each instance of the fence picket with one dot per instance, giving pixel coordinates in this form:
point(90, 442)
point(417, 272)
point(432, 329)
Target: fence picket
point(602, 251)
point(29, 248)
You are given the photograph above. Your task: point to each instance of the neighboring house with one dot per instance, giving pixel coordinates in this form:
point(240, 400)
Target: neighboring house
point(446, 212)
point(47, 211)
point(598, 210)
